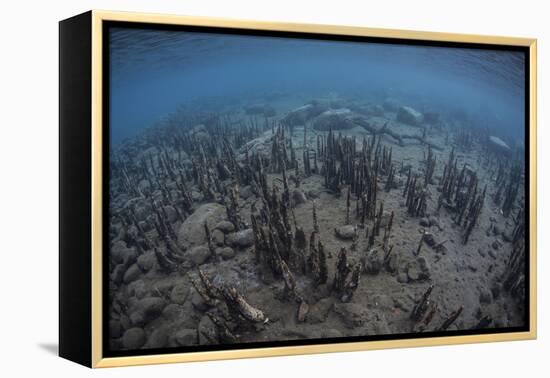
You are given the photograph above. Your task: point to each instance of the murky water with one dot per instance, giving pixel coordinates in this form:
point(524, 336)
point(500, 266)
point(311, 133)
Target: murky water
point(155, 71)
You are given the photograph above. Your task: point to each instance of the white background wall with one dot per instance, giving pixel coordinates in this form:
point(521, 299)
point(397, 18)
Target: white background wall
point(29, 174)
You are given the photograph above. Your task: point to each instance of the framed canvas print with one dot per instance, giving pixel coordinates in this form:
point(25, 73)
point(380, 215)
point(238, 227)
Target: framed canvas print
point(235, 189)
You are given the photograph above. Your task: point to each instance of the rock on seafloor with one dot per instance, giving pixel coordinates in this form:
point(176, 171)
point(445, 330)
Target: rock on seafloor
point(191, 232)
point(185, 337)
point(410, 116)
point(218, 237)
point(335, 119)
point(134, 338)
point(198, 255)
point(345, 232)
point(132, 274)
point(146, 310)
point(298, 197)
point(225, 253)
point(241, 239)
point(179, 293)
point(225, 226)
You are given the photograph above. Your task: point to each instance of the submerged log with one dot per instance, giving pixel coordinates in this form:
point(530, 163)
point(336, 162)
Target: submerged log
point(421, 307)
point(237, 302)
point(451, 319)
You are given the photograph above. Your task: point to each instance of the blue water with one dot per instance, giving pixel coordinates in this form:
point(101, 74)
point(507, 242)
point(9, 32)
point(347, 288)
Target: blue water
point(154, 72)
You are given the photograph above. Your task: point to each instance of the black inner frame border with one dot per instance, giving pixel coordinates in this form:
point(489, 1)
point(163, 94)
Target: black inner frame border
point(107, 25)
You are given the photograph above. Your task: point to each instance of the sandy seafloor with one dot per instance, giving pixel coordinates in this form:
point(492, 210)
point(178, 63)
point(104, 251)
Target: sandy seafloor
point(151, 308)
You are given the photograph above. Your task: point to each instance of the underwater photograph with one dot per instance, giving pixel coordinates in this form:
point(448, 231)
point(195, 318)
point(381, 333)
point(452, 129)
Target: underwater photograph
point(270, 188)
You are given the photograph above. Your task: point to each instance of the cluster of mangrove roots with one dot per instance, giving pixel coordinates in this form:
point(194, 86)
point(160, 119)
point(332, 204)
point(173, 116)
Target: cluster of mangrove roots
point(515, 273)
point(508, 189)
point(346, 277)
point(424, 311)
point(461, 195)
point(416, 196)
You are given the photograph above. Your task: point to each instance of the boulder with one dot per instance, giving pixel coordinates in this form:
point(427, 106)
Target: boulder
point(147, 261)
point(298, 197)
point(345, 232)
point(196, 196)
point(335, 119)
point(225, 226)
point(146, 310)
point(117, 276)
point(164, 287)
point(158, 338)
point(226, 253)
point(122, 255)
point(172, 312)
point(185, 337)
point(409, 116)
point(301, 115)
point(246, 192)
point(171, 213)
point(125, 322)
point(119, 252)
point(241, 239)
point(218, 237)
point(179, 293)
point(191, 232)
point(132, 274)
point(134, 338)
point(198, 255)
point(142, 211)
point(418, 270)
point(413, 273)
point(137, 289)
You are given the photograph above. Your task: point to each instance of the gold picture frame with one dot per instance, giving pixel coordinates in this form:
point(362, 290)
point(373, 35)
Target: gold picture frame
point(96, 359)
